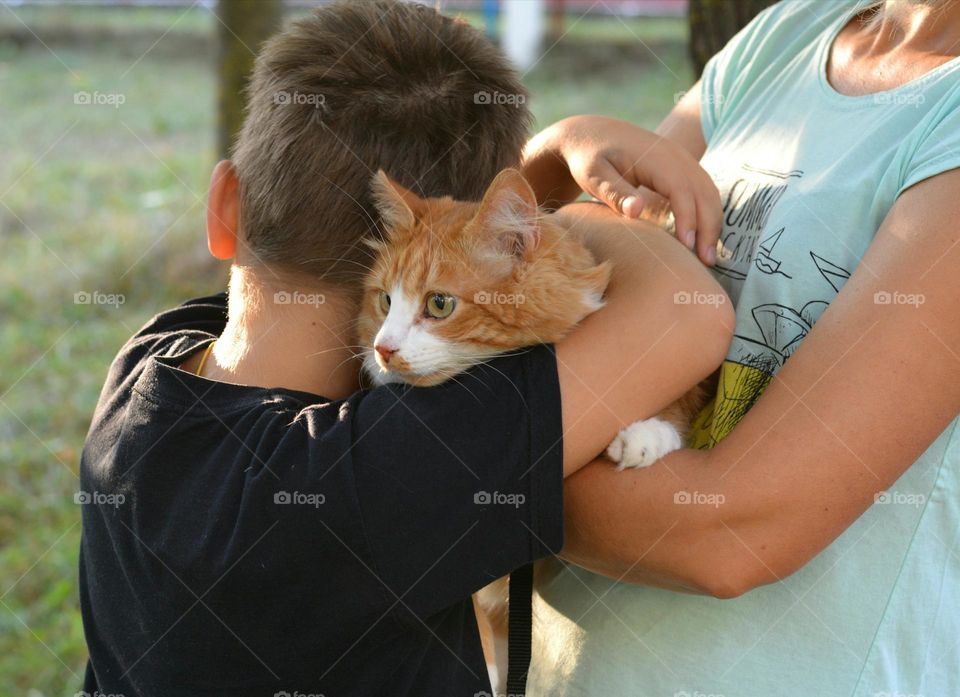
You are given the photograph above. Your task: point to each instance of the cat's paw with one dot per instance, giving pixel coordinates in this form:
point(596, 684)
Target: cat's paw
point(643, 442)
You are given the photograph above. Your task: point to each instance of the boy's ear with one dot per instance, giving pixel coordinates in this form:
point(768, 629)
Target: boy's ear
point(509, 216)
point(397, 205)
point(223, 211)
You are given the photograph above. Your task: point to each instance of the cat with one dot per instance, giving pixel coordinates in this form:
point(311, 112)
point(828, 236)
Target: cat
point(427, 316)
point(494, 276)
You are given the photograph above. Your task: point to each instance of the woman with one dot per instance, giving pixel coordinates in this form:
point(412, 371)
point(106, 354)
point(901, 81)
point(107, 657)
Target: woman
point(824, 501)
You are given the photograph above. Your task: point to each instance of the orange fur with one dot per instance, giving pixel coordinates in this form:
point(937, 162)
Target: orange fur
point(464, 250)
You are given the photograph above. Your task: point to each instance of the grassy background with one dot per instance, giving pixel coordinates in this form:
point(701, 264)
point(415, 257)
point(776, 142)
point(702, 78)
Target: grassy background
point(96, 198)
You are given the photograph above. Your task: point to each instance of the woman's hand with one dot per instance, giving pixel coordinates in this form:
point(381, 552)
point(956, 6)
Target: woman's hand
point(629, 169)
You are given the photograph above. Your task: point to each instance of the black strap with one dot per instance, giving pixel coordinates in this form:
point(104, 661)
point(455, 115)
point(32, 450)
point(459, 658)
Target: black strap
point(520, 630)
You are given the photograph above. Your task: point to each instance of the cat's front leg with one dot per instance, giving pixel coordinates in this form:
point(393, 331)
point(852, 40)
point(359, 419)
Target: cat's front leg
point(644, 442)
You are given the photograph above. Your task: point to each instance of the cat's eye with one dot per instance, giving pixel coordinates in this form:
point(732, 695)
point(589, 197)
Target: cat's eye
point(384, 302)
point(440, 306)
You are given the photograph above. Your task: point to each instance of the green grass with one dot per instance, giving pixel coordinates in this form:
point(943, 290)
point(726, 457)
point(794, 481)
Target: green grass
point(96, 198)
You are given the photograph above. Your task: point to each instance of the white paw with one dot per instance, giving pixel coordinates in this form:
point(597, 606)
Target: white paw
point(643, 442)
point(494, 675)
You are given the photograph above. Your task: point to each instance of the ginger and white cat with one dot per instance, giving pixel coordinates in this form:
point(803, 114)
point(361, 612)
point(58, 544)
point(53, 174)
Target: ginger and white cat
point(430, 310)
point(426, 314)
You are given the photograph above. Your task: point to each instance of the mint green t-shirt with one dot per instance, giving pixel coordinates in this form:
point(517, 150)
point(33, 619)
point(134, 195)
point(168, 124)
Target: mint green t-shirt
point(806, 177)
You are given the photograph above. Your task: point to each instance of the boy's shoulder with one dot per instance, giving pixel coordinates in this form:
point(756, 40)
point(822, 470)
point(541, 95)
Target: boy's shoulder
point(171, 332)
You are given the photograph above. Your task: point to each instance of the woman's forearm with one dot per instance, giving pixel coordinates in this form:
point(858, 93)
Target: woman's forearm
point(667, 526)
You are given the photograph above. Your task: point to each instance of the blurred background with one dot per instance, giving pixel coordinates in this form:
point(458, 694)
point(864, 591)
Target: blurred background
point(112, 115)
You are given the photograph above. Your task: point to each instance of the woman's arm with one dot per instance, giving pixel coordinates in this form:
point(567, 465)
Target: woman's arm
point(866, 393)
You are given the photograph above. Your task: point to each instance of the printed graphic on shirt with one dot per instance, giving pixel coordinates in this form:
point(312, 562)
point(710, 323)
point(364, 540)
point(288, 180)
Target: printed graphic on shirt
point(758, 243)
point(765, 261)
point(836, 275)
point(747, 207)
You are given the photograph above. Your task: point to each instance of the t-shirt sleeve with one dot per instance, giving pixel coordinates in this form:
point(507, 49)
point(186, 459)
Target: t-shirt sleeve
point(166, 333)
point(459, 484)
point(936, 143)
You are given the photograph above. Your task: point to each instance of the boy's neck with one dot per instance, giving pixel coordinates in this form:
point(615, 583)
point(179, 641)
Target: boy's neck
point(285, 333)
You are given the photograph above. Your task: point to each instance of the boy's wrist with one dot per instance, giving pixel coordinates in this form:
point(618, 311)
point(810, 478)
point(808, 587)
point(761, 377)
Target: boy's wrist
point(545, 167)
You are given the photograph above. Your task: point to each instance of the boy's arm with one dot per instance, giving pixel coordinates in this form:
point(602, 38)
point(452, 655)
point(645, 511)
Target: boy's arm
point(682, 124)
point(866, 393)
point(644, 348)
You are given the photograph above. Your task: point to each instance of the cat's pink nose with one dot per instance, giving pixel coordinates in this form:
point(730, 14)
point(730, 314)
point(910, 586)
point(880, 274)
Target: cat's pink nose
point(385, 352)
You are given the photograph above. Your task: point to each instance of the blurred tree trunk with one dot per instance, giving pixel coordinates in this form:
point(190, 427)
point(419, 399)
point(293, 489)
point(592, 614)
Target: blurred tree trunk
point(557, 10)
point(713, 23)
point(243, 26)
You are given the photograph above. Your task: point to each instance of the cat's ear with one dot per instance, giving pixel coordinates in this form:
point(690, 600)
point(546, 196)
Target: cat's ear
point(508, 214)
point(396, 204)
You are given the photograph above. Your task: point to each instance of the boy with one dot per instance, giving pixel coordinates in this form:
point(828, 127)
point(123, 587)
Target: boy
point(282, 532)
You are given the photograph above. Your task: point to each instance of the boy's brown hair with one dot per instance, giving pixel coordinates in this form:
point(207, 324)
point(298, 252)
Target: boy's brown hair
point(358, 86)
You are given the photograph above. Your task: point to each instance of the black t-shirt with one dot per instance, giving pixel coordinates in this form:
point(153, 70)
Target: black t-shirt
point(248, 541)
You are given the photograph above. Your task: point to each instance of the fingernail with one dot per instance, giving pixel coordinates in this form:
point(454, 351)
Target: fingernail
point(711, 255)
point(626, 205)
point(689, 237)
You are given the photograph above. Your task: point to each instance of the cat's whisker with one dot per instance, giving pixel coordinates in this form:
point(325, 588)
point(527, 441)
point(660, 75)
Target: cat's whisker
point(454, 377)
point(512, 383)
point(354, 357)
point(325, 351)
point(467, 374)
point(349, 347)
point(366, 269)
point(370, 219)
